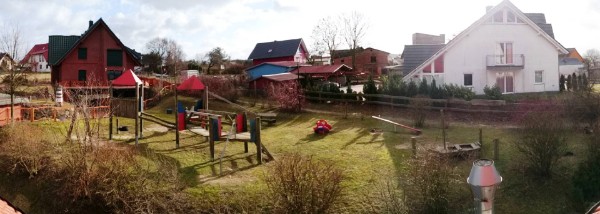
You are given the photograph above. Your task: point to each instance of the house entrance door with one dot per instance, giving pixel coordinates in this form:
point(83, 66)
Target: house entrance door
point(505, 81)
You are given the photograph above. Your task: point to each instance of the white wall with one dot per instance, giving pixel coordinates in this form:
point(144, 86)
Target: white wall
point(570, 69)
point(469, 56)
point(38, 60)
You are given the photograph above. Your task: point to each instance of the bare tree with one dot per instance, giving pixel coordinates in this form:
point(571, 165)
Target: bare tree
point(11, 42)
point(326, 35)
point(167, 51)
point(355, 28)
point(216, 56)
point(591, 60)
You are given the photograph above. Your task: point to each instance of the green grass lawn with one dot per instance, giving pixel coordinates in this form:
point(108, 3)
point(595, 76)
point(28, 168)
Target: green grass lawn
point(367, 159)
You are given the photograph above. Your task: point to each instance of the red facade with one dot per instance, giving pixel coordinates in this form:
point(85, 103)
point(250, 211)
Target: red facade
point(368, 61)
point(97, 43)
point(277, 59)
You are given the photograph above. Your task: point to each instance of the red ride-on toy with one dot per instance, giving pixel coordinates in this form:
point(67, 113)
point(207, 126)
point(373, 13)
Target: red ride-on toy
point(322, 127)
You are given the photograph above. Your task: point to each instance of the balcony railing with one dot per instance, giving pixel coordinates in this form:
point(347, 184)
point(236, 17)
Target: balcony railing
point(515, 60)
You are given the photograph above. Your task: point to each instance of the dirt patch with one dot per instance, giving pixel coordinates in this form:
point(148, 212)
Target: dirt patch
point(404, 146)
point(156, 128)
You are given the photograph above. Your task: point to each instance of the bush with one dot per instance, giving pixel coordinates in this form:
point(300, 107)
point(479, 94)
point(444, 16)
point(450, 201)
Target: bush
point(370, 88)
point(569, 83)
point(420, 113)
point(393, 85)
point(24, 149)
point(542, 142)
point(492, 93)
point(412, 89)
point(431, 185)
point(586, 183)
point(222, 86)
point(288, 96)
point(424, 87)
point(456, 91)
point(575, 82)
point(299, 184)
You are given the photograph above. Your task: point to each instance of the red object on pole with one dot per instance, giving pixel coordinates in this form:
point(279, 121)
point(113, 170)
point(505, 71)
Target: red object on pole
point(181, 118)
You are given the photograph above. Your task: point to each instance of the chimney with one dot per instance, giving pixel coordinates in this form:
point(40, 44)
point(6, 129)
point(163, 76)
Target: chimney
point(91, 23)
point(443, 38)
point(488, 8)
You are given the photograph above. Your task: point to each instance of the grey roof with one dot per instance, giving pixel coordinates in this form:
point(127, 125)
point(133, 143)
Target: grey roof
point(275, 49)
point(540, 20)
point(569, 61)
point(415, 55)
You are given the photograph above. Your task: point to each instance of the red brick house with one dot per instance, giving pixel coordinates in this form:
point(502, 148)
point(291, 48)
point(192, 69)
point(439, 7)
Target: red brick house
point(95, 57)
point(368, 60)
point(292, 50)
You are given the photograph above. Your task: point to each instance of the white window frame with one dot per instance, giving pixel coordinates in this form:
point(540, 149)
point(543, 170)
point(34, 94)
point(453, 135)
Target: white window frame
point(472, 82)
point(535, 77)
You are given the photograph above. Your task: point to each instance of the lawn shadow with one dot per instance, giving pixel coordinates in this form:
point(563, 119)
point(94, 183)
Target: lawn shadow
point(231, 164)
point(312, 137)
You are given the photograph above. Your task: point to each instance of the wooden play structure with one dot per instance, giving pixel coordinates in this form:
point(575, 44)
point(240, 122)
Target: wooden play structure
point(201, 121)
point(395, 124)
point(212, 129)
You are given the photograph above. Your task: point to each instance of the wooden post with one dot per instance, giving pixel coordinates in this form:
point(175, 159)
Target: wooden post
point(496, 149)
point(206, 98)
point(245, 147)
point(110, 114)
point(211, 141)
point(142, 110)
point(413, 142)
point(481, 141)
point(443, 130)
point(258, 142)
point(137, 112)
point(117, 125)
point(177, 121)
point(54, 114)
point(32, 114)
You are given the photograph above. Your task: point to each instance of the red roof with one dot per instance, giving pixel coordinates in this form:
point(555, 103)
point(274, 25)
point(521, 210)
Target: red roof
point(280, 77)
point(37, 49)
point(192, 83)
point(321, 69)
point(128, 78)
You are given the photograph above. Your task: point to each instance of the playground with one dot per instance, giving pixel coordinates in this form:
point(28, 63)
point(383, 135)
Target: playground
point(231, 168)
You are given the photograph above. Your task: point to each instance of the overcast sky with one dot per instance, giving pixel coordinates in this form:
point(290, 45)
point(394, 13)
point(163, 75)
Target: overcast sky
point(237, 25)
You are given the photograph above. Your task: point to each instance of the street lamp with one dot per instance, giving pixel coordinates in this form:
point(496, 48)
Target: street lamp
point(484, 179)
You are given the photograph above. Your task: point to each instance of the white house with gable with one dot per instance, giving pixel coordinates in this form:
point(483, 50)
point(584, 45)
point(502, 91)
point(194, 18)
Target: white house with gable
point(505, 47)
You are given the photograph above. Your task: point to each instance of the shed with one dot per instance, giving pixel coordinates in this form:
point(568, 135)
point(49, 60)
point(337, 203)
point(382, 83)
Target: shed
point(264, 81)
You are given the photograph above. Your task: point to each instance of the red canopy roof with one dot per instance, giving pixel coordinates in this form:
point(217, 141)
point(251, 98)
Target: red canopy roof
point(128, 78)
point(192, 83)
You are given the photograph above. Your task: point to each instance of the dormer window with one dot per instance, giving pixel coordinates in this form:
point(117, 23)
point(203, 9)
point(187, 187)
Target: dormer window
point(505, 16)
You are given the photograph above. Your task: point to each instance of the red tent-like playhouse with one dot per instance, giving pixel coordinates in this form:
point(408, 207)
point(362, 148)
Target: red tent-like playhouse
point(190, 84)
point(128, 78)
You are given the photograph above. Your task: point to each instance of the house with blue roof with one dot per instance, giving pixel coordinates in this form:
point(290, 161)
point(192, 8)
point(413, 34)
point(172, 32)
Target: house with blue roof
point(292, 50)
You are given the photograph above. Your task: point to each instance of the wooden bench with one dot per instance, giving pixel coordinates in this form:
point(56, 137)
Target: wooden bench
point(269, 118)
